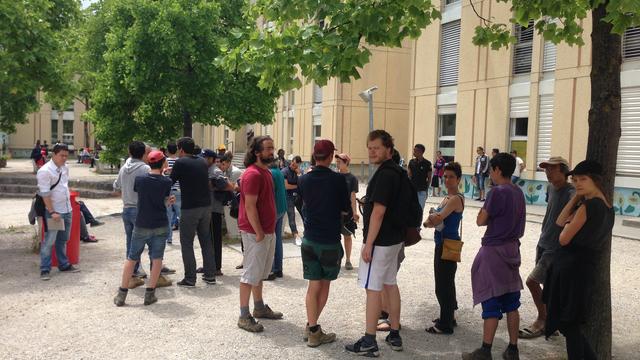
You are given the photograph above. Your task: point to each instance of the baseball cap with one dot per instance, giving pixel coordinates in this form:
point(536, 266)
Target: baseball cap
point(208, 153)
point(344, 157)
point(222, 147)
point(587, 167)
point(155, 156)
point(323, 148)
point(554, 160)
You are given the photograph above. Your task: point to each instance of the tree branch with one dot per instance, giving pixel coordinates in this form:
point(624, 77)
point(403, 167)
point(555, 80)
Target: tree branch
point(485, 21)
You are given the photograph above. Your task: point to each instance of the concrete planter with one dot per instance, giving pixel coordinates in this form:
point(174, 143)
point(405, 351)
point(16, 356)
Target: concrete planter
point(106, 168)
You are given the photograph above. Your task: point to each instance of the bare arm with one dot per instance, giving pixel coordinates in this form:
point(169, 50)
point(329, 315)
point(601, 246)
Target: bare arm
point(483, 218)
point(574, 225)
point(375, 222)
point(453, 204)
point(250, 204)
point(289, 186)
point(354, 207)
point(567, 211)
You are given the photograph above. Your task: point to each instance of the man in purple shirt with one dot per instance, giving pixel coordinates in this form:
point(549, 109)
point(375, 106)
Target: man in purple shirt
point(495, 276)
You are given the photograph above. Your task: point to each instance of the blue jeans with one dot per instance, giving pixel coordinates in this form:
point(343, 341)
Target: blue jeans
point(173, 213)
point(59, 238)
point(291, 214)
point(155, 239)
point(422, 198)
point(277, 260)
point(129, 216)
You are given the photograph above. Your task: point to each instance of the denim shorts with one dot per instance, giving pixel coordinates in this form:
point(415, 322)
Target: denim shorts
point(155, 239)
point(496, 306)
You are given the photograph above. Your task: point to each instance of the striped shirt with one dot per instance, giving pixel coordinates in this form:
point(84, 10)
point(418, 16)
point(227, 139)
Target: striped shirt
point(170, 162)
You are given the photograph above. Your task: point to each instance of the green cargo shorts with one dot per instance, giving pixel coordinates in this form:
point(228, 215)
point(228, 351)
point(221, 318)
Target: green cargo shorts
point(321, 261)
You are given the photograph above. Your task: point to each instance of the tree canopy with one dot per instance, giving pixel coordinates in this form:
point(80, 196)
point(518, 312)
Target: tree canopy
point(155, 70)
point(32, 36)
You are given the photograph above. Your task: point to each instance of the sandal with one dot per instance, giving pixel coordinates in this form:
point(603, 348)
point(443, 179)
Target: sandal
point(454, 323)
point(529, 333)
point(385, 325)
point(436, 330)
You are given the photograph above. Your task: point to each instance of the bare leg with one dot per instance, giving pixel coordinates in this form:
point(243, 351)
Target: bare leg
point(127, 273)
point(536, 294)
point(257, 293)
point(373, 310)
point(245, 294)
point(156, 267)
point(392, 296)
point(348, 242)
point(513, 323)
point(489, 330)
point(317, 295)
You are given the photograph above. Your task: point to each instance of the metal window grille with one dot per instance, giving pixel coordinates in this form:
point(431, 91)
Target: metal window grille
point(523, 49)
point(631, 44)
point(629, 146)
point(449, 53)
point(317, 94)
point(545, 122)
point(549, 56)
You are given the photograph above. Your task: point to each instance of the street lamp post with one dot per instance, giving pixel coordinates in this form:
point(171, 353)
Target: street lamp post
point(367, 96)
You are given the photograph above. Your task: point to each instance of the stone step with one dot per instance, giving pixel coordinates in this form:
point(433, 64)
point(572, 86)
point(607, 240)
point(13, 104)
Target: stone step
point(631, 223)
point(90, 184)
point(13, 190)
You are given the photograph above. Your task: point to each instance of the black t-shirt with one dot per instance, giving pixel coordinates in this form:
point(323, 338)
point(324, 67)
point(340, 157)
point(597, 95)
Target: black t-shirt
point(419, 171)
point(292, 179)
point(352, 183)
point(193, 175)
point(325, 197)
point(384, 188)
point(152, 190)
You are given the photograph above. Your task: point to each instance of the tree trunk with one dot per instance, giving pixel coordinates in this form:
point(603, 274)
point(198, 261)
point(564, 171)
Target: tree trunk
point(187, 125)
point(604, 135)
point(86, 125)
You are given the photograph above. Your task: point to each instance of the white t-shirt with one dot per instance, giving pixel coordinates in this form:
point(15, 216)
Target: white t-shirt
point(519, 162)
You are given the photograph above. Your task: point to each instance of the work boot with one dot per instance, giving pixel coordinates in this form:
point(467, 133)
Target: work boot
point(305, 334)
point(120, 297)
point(320, 337)
point(511, 354)
point(266, 313)
point(163, 281)
point(150, 297)
point(250, 324)
point(134, 282)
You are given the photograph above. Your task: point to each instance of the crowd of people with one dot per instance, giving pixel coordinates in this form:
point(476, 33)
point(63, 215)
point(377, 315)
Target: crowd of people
point(196, 185)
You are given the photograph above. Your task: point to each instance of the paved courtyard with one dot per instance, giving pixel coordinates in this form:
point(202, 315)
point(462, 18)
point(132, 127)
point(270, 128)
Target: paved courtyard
point(73, 316)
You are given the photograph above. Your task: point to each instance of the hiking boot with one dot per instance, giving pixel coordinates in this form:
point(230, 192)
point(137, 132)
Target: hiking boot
point(120, 297)
point(150, 297)
point(70, 269)
point(478, 354)
point(166, 271)
point(250, 324)
point(320, 337)
point(134, 282)
point(266, 313)
point(348, 265)
point(186, 283)
point(364, 348)
point(394, 341)
point(163, 281)
point(511, 354)
point(45, 275)
point(305, 334)
point(211, 280)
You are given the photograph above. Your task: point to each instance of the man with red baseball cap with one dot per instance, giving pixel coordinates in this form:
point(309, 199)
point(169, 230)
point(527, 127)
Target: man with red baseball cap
point(154, 192)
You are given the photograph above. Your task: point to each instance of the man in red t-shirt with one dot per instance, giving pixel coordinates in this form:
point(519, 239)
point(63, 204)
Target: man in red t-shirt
point(257, 223)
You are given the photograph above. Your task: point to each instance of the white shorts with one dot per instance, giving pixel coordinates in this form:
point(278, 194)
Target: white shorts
point(382, 270)
point(258, 257)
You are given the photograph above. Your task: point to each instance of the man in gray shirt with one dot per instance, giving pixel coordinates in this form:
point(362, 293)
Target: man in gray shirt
point(559, 192)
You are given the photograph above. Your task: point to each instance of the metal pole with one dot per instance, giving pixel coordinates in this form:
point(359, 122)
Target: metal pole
point(370, 130)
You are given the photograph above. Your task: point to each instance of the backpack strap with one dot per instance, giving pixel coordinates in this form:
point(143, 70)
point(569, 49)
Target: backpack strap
point(461, 199)
point(57, 182)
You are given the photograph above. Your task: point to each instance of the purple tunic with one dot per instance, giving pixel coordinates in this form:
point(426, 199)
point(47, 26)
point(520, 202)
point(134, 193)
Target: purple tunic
point(495, 270)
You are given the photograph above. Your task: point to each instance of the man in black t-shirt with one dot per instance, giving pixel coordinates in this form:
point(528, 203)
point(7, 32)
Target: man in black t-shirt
point(291, 184)
point(383, 238)
point(349, 223)
point(192, 173)
point(420, 171)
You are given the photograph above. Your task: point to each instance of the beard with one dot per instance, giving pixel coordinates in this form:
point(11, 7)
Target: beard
point(266, 160)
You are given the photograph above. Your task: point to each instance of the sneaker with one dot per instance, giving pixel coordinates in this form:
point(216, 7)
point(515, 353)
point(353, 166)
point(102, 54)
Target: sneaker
point(250, 324)
point(134, 282)
point(279, 274)
point(150, 297)
point(89, 239)
point(120, 298)
point(169, 241)
point(320, 337)
point(70, 269)
point(266, 313)
point(96, 223)
point(209, 280)
point(239, 267)
point(348, 266)
point(298, 241)
point(45, 275)
point(163, 281)
point(186, 283)
point(362, 347)
point(200, 270)
point(219, 273)
point(478, 354)
point(166, 270)
point(175, 227)
point(511, 354)
point(394, 341)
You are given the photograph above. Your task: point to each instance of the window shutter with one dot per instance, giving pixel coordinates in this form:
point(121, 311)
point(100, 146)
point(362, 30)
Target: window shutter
point(549, 56)
point(449, 53)
point(545, 122)
point(317, 94)
point(519, 107)
point(631, 44)
point(629, 147)
point(523, 49)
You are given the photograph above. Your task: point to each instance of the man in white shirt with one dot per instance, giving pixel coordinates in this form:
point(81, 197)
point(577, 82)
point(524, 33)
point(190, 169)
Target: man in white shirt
point(53, 186)
point(519, 167)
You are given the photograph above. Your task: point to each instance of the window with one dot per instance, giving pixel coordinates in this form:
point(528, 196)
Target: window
point(226, 136)
point(545, 122)
point(317, 128)
point(631, 44)
point(518, 136)
point(523, 48)
point(447, 136)
point(54, 130)
point(451, 2)
point(628, 149)
point(317, 94)
point(292, 97)
point(549, 56)
point(67, 132)
point(449, 53)
point(290, 125)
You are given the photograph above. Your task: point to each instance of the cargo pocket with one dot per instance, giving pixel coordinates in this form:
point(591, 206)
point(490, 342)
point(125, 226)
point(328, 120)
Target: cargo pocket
point(331, 258)
point(307, 253)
